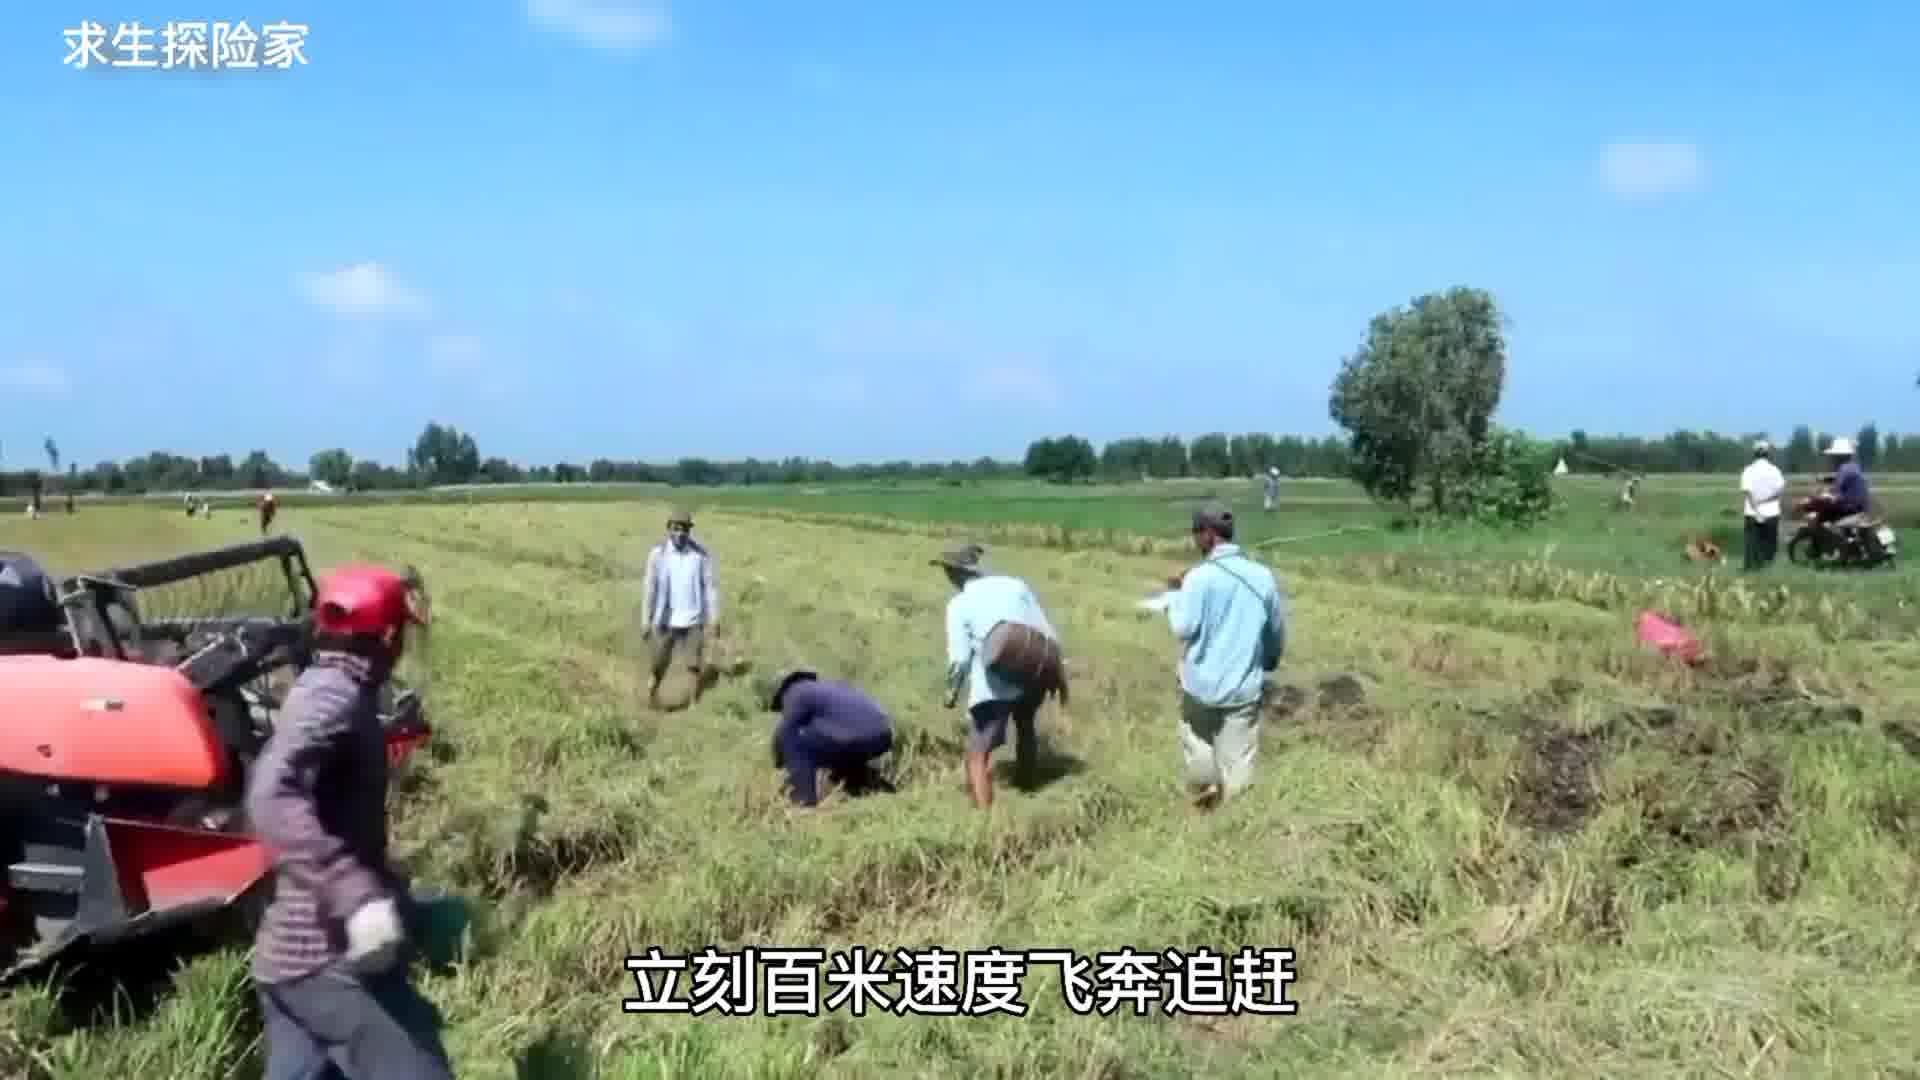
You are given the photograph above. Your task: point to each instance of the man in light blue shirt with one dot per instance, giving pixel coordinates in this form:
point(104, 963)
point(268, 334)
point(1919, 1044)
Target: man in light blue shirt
point(1232, 616)
point(981, 601)
point(680, 603)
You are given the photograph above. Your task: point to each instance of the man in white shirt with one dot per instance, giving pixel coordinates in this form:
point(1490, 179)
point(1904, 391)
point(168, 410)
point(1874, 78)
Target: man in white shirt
point(1761, 486)
point(982, 599)
point(680, 605)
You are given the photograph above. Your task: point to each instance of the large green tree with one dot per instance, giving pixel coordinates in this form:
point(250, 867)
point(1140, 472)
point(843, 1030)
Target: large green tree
point(332, 467)
point(1061, 459)
point(443, 454)
point(1867, 445)
point(1417, 398)
point(1801, 453)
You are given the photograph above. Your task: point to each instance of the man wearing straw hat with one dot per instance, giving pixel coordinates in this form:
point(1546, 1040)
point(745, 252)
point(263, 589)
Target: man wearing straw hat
point(982, 600)
point(680, 604)
point(1232, 617)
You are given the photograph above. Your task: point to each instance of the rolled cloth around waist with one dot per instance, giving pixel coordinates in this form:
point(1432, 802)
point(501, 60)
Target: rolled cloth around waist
point(1021, 654)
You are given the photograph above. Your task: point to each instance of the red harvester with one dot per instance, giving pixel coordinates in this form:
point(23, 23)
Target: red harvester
point(125, 746)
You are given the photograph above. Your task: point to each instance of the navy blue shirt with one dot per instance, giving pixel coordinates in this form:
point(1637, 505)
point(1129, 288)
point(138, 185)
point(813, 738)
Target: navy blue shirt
point(821, 721)
point(1850, 488)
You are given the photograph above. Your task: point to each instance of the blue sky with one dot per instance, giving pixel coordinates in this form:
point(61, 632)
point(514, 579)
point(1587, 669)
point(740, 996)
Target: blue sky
point(680, 227)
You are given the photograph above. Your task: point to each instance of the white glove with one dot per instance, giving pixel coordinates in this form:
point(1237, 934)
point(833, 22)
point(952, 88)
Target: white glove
point(374, 936)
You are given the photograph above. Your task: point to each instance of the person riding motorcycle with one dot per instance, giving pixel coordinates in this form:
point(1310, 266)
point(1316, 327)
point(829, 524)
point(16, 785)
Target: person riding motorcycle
point(1847, 499)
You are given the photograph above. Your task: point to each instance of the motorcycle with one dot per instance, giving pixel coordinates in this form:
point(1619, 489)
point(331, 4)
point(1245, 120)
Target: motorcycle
point(1862, 541)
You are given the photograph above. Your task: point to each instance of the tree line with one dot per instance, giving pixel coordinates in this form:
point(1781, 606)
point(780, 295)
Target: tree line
point(445, 454)
point(1219, 455)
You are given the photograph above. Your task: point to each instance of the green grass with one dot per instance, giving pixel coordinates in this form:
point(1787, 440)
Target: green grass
point(1531, 849)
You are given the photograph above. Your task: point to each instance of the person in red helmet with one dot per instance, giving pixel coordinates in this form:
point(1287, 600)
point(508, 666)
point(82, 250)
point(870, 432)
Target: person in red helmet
point(328, 961)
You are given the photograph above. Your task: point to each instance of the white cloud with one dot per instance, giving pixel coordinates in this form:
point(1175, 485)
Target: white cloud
point(1015, 384)
point(1649, 168)
point(605, 24)
point(362, 290)
point(35, 377)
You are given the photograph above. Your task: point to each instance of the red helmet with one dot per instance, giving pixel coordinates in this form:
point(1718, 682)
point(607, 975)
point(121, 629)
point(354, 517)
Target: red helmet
point(366, 599)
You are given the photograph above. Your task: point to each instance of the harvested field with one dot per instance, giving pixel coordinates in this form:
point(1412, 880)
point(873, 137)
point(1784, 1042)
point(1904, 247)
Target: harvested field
point(1500, 837)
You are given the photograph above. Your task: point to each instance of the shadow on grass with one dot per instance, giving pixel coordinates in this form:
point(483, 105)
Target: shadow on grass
point(1050, 766)
point(128, 981)
point(692, 694)
point(555, 1056)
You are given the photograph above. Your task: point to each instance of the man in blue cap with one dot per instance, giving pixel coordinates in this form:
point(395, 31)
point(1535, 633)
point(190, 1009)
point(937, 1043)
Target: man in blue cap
point(826, 725)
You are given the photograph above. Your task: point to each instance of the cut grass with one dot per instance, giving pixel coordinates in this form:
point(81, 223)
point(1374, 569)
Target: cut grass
point(1511, 843)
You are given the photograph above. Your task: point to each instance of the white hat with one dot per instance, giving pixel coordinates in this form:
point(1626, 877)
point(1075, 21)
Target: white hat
point(1762, 446)
point(1273, 470)
point(1841, 447)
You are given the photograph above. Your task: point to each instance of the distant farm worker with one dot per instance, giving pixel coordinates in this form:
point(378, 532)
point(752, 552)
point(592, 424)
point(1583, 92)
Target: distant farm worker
point(1272, 493)
point(329, 957)
point(1760, 487)
point(268, 507)
point(1847, 496)
point(982, 601)
point(826, 725)
point(1231, 615)
point(680, 604)
point(1625, 502)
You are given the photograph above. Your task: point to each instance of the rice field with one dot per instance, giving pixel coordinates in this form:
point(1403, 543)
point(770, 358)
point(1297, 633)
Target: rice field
point(1499, 837)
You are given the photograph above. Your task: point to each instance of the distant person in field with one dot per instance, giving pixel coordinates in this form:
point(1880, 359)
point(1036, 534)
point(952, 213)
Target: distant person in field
point(1272, 493)
point(1625, 502)
point(680, 605)
point(983, 599)
point(1230, 613)
point(268, 508)
point(1847, 496)
point(826, 725)
point(1760, 487)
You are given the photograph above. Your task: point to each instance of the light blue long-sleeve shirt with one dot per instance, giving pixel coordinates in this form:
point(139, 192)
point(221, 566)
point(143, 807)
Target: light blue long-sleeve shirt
point(1232, 615)
point(971, 615)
